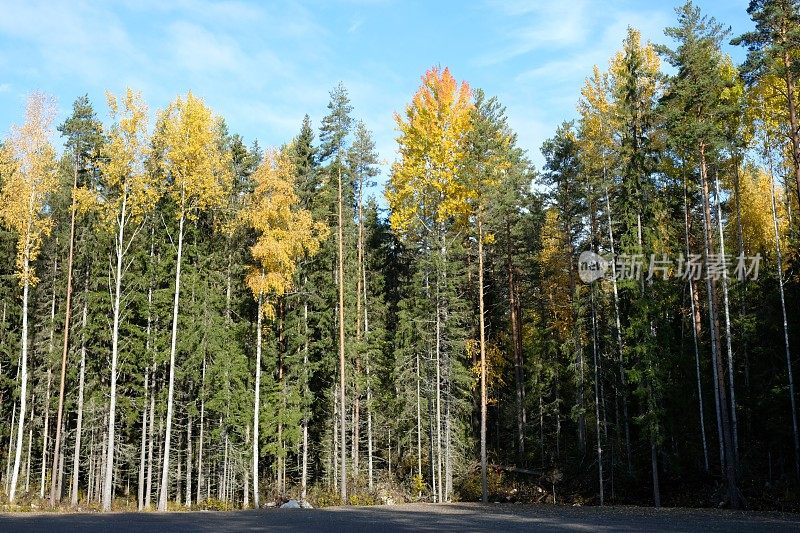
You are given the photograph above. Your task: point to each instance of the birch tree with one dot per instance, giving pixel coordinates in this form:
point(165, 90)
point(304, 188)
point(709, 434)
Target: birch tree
point(29, 170)
point(286, 233)
point(198, 174)
point(424, 192)
point(129, 192)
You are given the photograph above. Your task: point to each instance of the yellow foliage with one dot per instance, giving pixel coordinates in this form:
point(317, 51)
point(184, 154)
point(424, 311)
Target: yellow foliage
point(130, 189)
point(496, 363)
point(28, 176)
point(285, 232)
point(755, 200)
point(595, 139)
point(424, 185)
point(196, 166)
point(554, 259)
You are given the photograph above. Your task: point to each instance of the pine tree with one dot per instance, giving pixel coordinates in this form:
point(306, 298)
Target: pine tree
point(698, 88)
point(772, 51)
point(333, 133)
point(424, 194)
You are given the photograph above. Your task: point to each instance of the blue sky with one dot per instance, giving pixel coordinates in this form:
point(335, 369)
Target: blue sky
point(263, 65)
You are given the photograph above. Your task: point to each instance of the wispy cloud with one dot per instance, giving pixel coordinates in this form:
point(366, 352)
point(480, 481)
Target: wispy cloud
point(263, 65)
point(531, 26)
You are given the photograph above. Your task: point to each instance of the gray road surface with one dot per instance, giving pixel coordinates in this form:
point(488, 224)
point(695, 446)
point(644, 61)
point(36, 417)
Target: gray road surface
point(417, 517)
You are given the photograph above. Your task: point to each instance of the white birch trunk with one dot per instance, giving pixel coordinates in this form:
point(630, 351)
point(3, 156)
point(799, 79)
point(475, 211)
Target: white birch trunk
point(164, 489)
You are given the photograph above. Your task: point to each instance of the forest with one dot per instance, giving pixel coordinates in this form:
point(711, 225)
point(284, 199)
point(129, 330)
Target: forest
point(189, 320)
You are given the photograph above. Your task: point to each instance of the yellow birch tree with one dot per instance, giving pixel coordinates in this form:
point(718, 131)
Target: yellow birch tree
point(198, 173)
point(29, 170)
point(286, 233)
point(129, 192)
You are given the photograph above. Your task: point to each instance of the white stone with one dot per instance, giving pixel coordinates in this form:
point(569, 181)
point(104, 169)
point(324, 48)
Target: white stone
point(291, 504)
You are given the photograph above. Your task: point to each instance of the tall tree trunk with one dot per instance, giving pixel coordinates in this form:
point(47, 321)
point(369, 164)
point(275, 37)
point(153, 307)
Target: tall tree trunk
point(725, 437)
point(30, 446)
point(419, 423)
point(199, 497)
point(76, 456)
point(256, 400)
point(306, 396)
point(342, 382)
point(61, 454)
point(143, 445)
point(482, 333)
point(46, 437)
point(618, 332)
point(162, 498)
point(188, 501)
point(7, 477)
point(740, 243)
point(696, 327)
point(246, 484)
point(90, 473)
point(728, 344)
point(597, 399)
point(516, 341)
point(360, 335)
point(108, 488)
point(440, 287)
point(654, 468)
point(147, 393)
point(150, 443)
point(55, 496)
point(367, 364)
point(779, 257)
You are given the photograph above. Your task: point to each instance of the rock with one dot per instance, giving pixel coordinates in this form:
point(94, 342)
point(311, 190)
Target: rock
point(269, 504)
point(291, 504)
point(305, 505)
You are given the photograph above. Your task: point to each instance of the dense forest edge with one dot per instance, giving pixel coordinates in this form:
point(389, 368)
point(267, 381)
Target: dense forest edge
point(190, 321)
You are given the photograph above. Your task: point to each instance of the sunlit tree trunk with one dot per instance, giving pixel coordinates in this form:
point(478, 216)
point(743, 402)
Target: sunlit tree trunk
point(779, 258)
point(150, 444)
point(143, 445)
point(164, 489)
point(516, 338)
point(188, 502)
point(55, 496)
point(482, 333)
point(696, 329)
point(342, 382)
point(108, 488)
point(200, 441)
point(30, 446)
point(726, 309)
point(256, 401)
point(597, 400)
point(725, 436)
point(306, 395)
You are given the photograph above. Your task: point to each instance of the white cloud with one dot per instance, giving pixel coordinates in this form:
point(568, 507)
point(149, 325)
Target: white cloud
point(530, 26)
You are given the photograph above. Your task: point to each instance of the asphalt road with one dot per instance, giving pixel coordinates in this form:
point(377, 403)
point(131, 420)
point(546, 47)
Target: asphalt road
point(418, 517)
